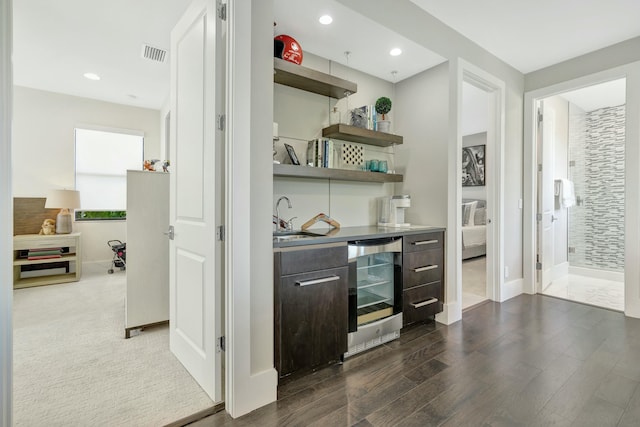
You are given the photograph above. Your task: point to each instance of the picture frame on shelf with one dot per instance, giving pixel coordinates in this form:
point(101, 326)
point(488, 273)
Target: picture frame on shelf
point(292, 155)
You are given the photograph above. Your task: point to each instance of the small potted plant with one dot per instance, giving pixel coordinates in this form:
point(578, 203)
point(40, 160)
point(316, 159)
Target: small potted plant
point(383, 106)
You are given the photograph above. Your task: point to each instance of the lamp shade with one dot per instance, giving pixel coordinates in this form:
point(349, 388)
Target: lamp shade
point(63, 199)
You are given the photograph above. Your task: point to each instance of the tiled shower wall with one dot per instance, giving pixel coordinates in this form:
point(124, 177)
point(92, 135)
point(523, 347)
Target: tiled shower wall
point(596, 166)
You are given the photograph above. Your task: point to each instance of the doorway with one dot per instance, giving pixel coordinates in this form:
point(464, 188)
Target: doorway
point(494, 166)
point(581, 194)
point(475, 116)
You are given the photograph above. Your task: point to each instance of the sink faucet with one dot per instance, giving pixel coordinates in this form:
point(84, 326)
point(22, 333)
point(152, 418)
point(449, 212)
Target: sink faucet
point(278, 219)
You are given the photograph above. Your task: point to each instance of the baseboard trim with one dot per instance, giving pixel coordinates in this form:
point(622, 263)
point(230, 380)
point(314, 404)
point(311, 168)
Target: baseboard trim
point(451, 313)
point(595, 273)
point(197, 416)
point(258, 390)
point(511, 289)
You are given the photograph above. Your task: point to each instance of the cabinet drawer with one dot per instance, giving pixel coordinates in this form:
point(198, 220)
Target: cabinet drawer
point(423, 242)
point(421, 268)
point(421, 302)
point(43, 242)
point(312, 257)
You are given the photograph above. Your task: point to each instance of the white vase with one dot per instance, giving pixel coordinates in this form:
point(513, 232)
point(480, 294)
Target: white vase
point(383, 126)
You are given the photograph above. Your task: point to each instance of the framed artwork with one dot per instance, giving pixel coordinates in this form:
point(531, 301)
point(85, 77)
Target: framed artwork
point(473, 166)
point(292, 155)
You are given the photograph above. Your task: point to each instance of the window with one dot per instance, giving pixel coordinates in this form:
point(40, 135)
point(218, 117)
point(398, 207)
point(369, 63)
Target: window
point(102, 160)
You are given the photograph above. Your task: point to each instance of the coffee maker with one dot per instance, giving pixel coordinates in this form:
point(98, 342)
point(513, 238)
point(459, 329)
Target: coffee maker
point(391, 210)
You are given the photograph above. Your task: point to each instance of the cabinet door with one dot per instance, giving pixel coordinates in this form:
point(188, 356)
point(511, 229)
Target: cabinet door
point(313, 319)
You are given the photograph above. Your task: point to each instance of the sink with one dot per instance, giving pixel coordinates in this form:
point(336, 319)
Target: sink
point(280, 236)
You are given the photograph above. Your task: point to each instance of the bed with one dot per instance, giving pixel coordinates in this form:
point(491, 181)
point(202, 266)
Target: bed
point(474, 228)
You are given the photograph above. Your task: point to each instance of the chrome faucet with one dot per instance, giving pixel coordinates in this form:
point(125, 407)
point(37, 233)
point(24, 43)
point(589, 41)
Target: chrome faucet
point(278, 219)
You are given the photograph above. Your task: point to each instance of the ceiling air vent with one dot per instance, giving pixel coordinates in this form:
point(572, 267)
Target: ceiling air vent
point(153, 53)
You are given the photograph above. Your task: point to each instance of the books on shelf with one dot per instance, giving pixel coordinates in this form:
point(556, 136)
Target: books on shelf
point(44, 253)
point(321, 153)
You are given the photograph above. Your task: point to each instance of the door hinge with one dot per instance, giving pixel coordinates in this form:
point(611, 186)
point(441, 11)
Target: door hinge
point(539, 217)
point(220, 121)
point(222, 11)
point(539, 167)
point(540, 116)
point(220, 233)
point(221, 344)
point(538, 266)
point(170, 233)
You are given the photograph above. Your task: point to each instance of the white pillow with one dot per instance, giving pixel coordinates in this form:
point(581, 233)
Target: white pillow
point(468, 212)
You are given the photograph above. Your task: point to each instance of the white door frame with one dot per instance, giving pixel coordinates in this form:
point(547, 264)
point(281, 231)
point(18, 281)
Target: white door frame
point(632, 177)
point(463, 71)
point(6, 216)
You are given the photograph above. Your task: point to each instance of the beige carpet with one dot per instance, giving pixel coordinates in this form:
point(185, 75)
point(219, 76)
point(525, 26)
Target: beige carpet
point(474, 280)
point(73, 367)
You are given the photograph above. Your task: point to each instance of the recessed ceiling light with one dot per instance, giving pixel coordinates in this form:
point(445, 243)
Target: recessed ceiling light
point(92, 76)
point(325, 20)
point(395, 51)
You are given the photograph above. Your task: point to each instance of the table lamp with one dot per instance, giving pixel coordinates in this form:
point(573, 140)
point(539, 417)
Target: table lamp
point(65, 200)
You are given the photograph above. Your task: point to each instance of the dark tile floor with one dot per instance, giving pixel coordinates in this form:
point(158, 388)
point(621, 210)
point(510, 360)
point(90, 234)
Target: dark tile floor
point(530, 361)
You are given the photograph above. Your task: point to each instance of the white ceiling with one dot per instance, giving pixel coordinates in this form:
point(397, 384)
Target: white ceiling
point(530, 35)
point(56, 42)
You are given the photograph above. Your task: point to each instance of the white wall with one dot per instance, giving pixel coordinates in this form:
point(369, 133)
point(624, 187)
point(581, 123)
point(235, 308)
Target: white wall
point(301, 116)
point(604, 59)
point(43, 150)
point(423, 119)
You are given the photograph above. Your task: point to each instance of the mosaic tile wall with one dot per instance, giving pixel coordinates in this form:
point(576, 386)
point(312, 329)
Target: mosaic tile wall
point(596, 166)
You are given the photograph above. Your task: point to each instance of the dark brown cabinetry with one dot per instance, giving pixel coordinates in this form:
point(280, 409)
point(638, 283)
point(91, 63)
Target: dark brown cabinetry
point(311, 312)
point(422, 276)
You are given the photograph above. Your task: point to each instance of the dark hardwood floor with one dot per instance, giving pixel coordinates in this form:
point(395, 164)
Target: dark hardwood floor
point(530, 361)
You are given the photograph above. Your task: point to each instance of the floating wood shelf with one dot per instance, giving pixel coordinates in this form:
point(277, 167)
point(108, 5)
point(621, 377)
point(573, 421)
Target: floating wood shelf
point(299, 77)
point(337, 174)
point(363, 136)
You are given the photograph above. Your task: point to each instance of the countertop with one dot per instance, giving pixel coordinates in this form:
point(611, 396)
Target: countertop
point(348, 234)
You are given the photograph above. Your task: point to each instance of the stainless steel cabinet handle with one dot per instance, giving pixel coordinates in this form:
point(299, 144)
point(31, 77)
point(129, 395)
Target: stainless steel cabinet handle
point(426, 268)
point(317, 281)
point(424, 242)
point(423, 303)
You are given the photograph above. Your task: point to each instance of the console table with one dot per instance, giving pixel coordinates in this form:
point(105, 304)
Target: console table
point(46, 271)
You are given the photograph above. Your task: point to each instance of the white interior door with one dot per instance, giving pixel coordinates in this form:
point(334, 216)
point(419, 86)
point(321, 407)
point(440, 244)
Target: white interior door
point(546, 168)
point(195, 253)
